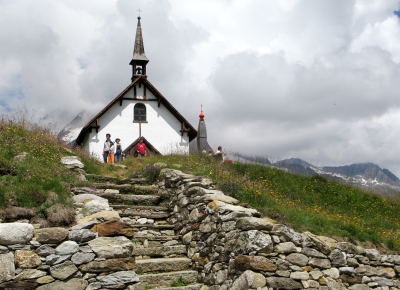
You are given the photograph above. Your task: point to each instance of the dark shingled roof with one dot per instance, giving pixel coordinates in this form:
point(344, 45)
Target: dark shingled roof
point(138, 51)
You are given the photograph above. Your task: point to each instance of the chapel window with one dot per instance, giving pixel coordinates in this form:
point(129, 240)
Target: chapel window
point(139, 113)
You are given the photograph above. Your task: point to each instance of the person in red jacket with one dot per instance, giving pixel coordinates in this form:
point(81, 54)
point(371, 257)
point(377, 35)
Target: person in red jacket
point(141, 148)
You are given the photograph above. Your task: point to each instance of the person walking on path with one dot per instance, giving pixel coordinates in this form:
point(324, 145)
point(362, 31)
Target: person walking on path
point(106, 147)
point(141, 148)
point(111, 153)
point(118, 150)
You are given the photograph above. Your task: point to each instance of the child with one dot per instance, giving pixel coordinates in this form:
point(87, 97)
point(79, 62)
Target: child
point(118, 150)
point(111, 153)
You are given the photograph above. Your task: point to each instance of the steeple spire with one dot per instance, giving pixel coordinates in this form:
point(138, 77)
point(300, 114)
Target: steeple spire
point(139, 59)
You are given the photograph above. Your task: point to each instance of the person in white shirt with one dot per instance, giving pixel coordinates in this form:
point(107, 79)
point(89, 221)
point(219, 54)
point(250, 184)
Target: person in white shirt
point(106, 147)
point(219, 151)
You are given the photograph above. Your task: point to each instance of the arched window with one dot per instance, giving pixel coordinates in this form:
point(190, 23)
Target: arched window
point(139, 113)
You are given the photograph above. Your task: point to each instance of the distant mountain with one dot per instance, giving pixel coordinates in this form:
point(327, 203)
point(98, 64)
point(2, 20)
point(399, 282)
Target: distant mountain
point(71, 131)
point(368, 175)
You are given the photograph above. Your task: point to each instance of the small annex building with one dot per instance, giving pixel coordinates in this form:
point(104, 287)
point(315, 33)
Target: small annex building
point(140, 110)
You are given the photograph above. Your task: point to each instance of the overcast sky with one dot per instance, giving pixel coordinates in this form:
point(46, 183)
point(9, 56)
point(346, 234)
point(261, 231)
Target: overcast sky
point(313, 79)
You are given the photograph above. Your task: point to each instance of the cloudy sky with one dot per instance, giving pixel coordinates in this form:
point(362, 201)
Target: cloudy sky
point(313, 79)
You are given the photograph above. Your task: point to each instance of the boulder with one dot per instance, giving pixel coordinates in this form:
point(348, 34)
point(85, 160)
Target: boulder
point(26, 259)
point(250, 241)
point(82, 235)
point(64, 270)
point(253, 223)
point(72, 284)
point(249, 279)
point(108, 228)
point(72, 162)
point(15, 233)
point(122, 264)
point(99, 216)
point(67, 248)
point(112, 247)
point(7, 267)
point(51, 235)
point(118, 279)
point(94, 206)
point(338, 258)
point(257, 263)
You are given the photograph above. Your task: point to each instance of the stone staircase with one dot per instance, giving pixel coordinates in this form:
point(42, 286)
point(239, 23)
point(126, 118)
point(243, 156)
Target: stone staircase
point(160, 258)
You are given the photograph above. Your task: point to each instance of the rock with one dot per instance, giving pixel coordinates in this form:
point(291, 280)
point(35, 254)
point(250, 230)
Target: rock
point(51, 235)
point(26, 259)
point(85, 197)
point(82, 235)
point(7, 267)
point(72, 284)
point(111, 247)
point(359, 287)
point(45, 250)
point(320, 263)
point(289, 234)
point(220, 197)
point(29, 274)
point(257, 263)
point(372, 254)
point(56, 259)
point(187, 238)
point(118, 279)
point(108, 228)
point(204, 191)
point(26, 284)
point(283, 283)
point(300, 276)
point(313, 253)
point(72, 162)
point(122, 264)
point(350, 248)
point(21, 157)
point(94, 206)
point(332, 272)
point(15, 233)
point(254, 240)
point(194, 215)
point(338, 258)
point(222, 207)
point(100, 216)
point(45, 280)
point(63, 271)
point(297, 259)
point(67, 248)
point(253, 223)
point(85, 225)
point(366, 270)
point(82, 258)
point(324, 244)
point(249, 279)
point(285, 248)
point(387, 272)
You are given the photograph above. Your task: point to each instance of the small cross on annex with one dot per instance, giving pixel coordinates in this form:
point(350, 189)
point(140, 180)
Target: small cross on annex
point(139, 111)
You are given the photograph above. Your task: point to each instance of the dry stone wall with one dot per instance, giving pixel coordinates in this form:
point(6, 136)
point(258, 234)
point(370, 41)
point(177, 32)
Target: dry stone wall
point(233, 247)
point(230, 247)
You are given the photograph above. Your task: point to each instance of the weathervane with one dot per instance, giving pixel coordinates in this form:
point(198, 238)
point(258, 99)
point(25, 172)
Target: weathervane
point(139, 11)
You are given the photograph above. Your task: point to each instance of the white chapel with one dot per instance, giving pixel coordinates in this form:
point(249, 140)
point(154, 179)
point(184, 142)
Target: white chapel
point(140, 110)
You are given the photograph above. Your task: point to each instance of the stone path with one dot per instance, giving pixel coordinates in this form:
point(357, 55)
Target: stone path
point(160, 256)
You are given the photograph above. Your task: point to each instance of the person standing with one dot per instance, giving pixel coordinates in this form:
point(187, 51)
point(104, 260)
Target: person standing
point(111, 153)
point(141, 148)
point(118, 150)
point(220, 152)
point(106, 147)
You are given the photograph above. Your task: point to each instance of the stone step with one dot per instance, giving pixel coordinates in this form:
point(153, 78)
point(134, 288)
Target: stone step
point(150, 212)
point(159, 251)
point(162, 265)
point(189, 287)
point(160, 238)
point(130, 198)
point(165, 280)
point(128, 188)
point(109, 179)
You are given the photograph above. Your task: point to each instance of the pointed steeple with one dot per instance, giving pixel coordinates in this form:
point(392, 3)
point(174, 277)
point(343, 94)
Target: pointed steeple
point(139, 60)
point(202, 144)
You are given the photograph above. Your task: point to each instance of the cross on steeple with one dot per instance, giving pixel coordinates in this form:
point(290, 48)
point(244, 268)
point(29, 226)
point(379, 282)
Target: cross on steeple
point(139, 11)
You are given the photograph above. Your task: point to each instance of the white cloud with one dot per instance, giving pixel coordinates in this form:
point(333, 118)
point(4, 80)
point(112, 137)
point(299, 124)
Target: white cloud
point(311, 79)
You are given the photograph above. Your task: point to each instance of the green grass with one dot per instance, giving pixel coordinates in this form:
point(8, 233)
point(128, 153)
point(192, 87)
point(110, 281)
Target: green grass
point(179, 282)
point(314, 204)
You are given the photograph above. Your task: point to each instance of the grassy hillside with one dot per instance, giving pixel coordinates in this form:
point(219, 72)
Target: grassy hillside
point(41, 183)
